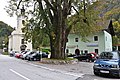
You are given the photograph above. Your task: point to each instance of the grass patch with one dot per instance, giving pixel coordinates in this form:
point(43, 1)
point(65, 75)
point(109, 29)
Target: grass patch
point(67, 59)
point(5, 53)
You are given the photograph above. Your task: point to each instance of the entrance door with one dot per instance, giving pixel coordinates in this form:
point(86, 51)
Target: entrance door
point(77, 52)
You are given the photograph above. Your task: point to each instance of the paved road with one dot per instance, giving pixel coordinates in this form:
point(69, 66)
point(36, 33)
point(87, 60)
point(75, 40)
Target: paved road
point(86, 68)
point(15, 69)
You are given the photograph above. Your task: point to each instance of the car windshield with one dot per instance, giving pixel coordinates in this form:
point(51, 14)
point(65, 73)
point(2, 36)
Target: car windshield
point(109, 55)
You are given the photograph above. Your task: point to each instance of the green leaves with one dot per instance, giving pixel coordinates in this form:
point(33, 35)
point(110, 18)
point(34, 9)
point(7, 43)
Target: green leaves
point(86, 23)
point(5, 31)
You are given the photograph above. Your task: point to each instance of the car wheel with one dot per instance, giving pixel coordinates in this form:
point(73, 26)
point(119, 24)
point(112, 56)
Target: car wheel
point(32, 59)
point(96, 73)
point(92, 60)
point(79, 59)
point(29, 59)
point(118, 75)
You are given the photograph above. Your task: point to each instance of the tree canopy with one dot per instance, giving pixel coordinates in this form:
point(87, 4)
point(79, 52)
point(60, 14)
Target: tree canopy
point(55, 19)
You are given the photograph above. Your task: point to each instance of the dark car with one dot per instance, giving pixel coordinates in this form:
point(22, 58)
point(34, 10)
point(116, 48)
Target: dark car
point(108, 63)
point(44, 55)
point(37, 56)
point(28, 56)
point(87, 57)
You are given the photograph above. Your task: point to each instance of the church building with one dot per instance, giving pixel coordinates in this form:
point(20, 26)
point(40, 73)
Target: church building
point(16, 39)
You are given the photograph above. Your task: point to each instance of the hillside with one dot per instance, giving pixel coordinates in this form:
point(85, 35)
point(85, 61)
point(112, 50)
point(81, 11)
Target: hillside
point(110, 9)
point(5, 31)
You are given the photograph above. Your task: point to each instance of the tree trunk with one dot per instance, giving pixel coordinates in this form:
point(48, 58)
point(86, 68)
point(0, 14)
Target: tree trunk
point(58, 45)
point(57, 48)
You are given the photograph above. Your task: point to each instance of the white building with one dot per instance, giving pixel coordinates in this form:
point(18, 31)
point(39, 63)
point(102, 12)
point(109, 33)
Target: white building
point(98, 42)
point(16, 39)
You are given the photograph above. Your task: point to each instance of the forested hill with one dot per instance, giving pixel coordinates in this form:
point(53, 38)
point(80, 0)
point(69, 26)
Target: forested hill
point(5, 29)
point(109, 9)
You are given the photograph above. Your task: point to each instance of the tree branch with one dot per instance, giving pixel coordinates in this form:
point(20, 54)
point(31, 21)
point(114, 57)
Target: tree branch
point(48, 3)
point(19, 4)
point(70, 27)
point(34, 7)
point(75, 9)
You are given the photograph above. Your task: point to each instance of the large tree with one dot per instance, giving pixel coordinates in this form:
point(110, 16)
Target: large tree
point(56, 19)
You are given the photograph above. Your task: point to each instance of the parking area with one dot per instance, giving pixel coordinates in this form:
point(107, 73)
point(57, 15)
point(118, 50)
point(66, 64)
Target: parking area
point(81, 67)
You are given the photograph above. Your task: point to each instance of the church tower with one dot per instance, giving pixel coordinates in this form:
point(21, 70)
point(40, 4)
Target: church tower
point(20, 18)
point(16, 39)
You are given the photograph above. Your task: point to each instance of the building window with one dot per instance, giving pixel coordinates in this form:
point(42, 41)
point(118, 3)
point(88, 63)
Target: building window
point(95, 38)
point(23, 22)
point(76, 39)
point(67, 51)
point(96, 51)
point(22, 41)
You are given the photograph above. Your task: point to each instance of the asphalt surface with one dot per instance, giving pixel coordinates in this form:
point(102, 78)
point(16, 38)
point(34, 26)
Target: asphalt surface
point(15, 69)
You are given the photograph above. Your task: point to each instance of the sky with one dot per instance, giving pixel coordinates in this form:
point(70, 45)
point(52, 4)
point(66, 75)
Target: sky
point(12, 21)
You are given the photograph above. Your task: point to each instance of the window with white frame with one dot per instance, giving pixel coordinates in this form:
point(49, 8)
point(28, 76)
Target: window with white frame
point(76, 39)
point(95, 38)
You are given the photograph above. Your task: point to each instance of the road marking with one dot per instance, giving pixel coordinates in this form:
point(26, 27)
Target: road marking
point(60, 71)
point(19, 74)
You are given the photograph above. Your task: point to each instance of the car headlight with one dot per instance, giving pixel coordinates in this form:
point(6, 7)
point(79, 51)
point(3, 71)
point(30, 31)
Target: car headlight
point(114, 66)
point(96, 65)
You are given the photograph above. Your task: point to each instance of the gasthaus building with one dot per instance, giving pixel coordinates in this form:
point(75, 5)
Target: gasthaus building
point(98, 42)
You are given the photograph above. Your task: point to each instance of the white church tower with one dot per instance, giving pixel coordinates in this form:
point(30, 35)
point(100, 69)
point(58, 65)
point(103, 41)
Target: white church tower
point(16, 39)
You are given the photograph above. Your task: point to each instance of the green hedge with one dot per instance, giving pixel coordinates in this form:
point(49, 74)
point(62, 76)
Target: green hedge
point(46, 50)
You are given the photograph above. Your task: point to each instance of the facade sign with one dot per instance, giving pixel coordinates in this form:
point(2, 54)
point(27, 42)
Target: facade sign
point(92, 45)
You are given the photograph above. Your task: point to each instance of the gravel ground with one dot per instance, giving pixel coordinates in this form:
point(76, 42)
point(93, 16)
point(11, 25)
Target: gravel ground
point(78, 67)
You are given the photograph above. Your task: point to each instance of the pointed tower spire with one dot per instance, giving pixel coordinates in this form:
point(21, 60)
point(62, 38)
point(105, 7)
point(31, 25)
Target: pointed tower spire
point(111, 29)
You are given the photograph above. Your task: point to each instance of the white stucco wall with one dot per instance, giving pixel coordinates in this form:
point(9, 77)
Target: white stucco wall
point(101, 44)
point(108, 41)
point(17, 42)
point(10, 43)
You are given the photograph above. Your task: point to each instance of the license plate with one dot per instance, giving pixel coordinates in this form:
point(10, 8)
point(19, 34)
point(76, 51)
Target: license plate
point(102, 71)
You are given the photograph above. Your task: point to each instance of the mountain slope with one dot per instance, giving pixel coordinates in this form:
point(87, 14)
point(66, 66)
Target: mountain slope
point(5, 31)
